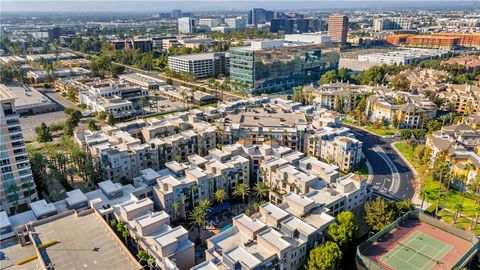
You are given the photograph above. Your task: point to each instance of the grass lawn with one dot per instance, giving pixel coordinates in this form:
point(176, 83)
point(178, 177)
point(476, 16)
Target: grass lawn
point(453, 197)
point(383, 131)
point(461, 223)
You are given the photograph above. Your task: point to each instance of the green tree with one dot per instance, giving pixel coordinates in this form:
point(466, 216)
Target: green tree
point(400, 82)
point(110, 119)
point(328, 77)
point(205, 205)
point(92, 126)
point(198, 219)
point(220, 195)
point(377, 214)
point(242, 190)
point(43, 133)
point(327, 256)
point(261, 190)
point(345, 231)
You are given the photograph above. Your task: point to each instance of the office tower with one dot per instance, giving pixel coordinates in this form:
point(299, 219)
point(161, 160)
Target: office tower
point(176, 13)
point(269, 66)
point(53, 33)
point(208, 23)
point(259, 16)
point(236, 23)
point(289, 26)
point(17, 188)
point(203, 65)
point(186, 25)
point(338, 28)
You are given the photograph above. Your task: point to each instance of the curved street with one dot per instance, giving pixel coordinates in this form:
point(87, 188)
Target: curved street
point(391, 176)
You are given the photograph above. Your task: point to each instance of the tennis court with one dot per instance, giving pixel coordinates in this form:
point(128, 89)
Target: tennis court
point(417, 251)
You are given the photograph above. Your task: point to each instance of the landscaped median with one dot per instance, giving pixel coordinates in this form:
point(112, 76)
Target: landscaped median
point(447, 204)
point(379, 131)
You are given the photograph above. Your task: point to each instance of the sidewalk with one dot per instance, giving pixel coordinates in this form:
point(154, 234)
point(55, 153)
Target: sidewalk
point(416, 200)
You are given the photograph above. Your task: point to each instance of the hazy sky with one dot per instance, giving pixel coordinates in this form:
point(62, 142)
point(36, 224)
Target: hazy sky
point(199, 5)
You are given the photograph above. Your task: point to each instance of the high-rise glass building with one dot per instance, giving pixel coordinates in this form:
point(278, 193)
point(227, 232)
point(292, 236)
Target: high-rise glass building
point(17, 188)
point(274, 65)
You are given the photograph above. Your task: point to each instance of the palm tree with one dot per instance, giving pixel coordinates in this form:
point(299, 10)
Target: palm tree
point(13, 188)
point(142, 101)
point(261, 190)
point(198, 219)
point(469, 167)
point(205, 205)
point(220, 195)
point(192, 190)
point(423, 195)
point(474, 185)
point(435, 196)
point(458, 212)
point(28, 185)
point(176, 208)
point(71, 171)
point(242, 190)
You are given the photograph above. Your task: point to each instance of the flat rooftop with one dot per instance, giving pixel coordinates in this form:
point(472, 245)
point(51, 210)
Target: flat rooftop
point(25, 96)
point(89, 246)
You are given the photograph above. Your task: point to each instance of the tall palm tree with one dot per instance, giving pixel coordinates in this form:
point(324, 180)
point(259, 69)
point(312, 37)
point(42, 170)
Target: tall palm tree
point(458, 212)
point(176, 209)
point(71, 171)
point(242, 190)
point(192, 190)
point(474, 186)
point(435, 196)
point(13, 188)
point(261, 190)
point(198, 219)
point(220, 195)
point(423, 195)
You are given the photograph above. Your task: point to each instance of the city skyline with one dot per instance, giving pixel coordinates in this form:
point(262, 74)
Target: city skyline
point(205, 5)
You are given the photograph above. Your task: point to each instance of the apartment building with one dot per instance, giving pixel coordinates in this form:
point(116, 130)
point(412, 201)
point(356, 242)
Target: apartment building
point(406, 110)
point(457, 146)
point(338, 96)
point(252, 244)
point(335, 145)
point(128, 148)
point(465, 99)
point(174, 184)
point(264, 123)
point(203, 65)
point(17, 188)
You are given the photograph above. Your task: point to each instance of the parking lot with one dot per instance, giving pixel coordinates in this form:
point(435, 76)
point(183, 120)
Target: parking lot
point(29, 123)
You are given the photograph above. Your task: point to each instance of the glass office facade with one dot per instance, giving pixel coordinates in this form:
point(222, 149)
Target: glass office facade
point(272, 70)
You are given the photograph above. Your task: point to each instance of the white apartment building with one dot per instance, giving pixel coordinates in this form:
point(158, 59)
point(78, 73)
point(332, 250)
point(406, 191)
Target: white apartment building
point(252, 244)
point(17, 188)
point(345, 152)
point(201, 65)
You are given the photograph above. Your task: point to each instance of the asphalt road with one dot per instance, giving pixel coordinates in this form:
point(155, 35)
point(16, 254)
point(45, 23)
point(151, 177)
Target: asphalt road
point(392, 177)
